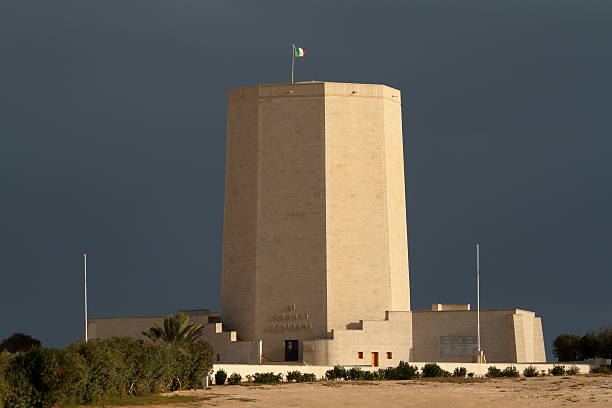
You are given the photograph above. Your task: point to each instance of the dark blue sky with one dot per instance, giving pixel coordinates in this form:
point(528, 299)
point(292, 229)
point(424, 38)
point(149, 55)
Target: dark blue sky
point(112, 140)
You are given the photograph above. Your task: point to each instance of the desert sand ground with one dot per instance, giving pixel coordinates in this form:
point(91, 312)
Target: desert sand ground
point(576, 391)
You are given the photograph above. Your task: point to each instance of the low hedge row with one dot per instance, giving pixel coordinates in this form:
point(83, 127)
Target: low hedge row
point(296, 376)
point(84, 373)
point(531, 371)
point(403, 371)
point(494, 372)
point(263, 378)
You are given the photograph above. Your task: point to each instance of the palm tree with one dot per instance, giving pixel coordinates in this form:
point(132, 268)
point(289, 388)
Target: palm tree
point(176, 330)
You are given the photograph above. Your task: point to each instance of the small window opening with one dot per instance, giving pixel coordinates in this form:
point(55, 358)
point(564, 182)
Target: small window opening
point(360, 354)
point(389, 355)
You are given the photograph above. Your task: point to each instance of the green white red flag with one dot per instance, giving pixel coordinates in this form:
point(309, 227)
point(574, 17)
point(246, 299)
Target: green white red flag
point(299, 52)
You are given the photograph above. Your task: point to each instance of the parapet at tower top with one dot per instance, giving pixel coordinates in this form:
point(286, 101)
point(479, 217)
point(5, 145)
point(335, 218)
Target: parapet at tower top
point(318, 88)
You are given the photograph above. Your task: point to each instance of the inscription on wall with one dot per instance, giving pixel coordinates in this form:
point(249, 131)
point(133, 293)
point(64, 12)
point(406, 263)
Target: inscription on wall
point(457, 345)
point(291, 319)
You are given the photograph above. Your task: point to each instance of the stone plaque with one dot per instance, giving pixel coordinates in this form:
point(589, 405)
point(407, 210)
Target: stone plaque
point(457, 345)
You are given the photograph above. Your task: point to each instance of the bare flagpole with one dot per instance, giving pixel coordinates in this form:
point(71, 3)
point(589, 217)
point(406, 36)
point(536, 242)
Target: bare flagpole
point(478, 293)
point(292, 61)
point(85, 288)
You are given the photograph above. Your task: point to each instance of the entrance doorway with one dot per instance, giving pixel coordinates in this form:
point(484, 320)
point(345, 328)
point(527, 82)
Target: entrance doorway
point(291, 350)
point(375, 359)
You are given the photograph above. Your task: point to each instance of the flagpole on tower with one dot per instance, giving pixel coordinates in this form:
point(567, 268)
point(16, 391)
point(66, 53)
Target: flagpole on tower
point(478, 294)
point(292, 61)
point(85, 290)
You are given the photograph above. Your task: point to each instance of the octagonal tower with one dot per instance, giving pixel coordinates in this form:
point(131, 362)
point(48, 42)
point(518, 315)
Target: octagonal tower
point(315, 216)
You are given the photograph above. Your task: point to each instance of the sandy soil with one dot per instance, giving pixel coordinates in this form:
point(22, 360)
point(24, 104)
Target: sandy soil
point(576, 391)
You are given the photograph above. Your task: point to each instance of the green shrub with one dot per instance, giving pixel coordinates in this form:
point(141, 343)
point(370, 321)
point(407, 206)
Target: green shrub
point(234, 379)
point(107, 367)
point(354, 374)
point(5, 359)
point(296, 376)
point(308, 377)
point(194, 361)
point(85, 373)
point(493, 372)
point(388, 373)
point(293, 376)
point(460, 372)
point(470, 375)
point(572, 370)
point(601, 370)
point(510, 371)
point(35, 378)
point(220, 377)
point(383, 373)
point(124, 366)
point(557, 370)
point(41, 378)
point(4, 389)
point(433, 370)
point(336, 373)
point(370, 375)
point(267, 378)
point(403, 371)
point(530, 371)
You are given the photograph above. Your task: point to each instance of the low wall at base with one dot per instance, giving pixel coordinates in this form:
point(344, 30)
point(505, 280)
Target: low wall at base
point(478, 369)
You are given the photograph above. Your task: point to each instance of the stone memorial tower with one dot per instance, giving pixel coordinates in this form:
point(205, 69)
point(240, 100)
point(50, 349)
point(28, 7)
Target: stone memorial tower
point(315, 216)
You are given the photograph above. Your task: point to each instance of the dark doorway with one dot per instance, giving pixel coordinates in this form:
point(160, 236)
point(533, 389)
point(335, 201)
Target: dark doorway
point(375, 359)
point(291, 350)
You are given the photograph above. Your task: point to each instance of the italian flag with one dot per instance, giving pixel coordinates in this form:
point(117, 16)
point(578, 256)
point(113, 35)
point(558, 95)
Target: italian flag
point(299, 52)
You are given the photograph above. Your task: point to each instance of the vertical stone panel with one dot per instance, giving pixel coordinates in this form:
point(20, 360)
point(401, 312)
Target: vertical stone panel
point(396, 201)
point(518, 322)
point(539, 352)
point(528, 333)
point(240, 213)
point(291, 283)
point(357, 217)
